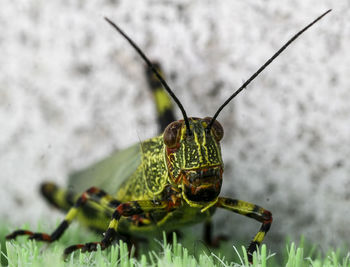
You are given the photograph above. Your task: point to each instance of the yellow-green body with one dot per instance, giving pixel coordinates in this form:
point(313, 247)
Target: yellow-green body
point(135, 173)
point(163, 183)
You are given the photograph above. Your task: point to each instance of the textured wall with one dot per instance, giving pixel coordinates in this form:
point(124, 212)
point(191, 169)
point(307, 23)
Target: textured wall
point(72, 90)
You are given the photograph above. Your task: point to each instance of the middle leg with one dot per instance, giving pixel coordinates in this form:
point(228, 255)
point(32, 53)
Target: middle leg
point(127, 209)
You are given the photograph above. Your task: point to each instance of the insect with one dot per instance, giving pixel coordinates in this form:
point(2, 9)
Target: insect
point(165, 182)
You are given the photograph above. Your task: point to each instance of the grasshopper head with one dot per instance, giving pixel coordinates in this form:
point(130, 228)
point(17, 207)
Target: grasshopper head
point(194, 159)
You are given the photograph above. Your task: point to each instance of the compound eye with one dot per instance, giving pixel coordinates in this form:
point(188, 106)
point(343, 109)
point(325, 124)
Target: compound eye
point(171, 134)
point(216, 128)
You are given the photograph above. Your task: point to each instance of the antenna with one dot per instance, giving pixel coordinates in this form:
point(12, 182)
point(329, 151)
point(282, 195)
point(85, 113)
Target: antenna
point(150, 65)
point(268, 62)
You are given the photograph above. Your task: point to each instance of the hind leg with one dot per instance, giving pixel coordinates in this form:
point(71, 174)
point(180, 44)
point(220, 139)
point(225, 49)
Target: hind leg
point(91, 195)
point(164, 106)
point(61, 199)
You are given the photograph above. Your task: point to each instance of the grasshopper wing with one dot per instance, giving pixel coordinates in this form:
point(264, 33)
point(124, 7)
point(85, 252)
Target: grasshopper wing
point(109, 173)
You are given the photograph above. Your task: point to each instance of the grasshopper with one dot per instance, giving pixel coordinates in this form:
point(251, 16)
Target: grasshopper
point(163, 183)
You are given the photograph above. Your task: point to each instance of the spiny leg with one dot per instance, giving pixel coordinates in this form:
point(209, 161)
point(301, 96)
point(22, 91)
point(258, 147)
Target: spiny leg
point(252, 211)
point(92, 194)
point(126, 209)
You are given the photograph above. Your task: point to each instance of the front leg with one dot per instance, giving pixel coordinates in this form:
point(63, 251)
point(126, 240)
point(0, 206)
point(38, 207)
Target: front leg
point(125, 209)
point(252, 211)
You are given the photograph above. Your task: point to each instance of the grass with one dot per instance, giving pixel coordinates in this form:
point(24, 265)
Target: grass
point(159, 254)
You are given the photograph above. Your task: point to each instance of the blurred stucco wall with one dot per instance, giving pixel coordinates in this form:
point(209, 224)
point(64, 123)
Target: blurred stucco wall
point(72, 90)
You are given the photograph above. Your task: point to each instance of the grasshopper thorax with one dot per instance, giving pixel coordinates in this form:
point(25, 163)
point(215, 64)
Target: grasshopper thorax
point(193, 158)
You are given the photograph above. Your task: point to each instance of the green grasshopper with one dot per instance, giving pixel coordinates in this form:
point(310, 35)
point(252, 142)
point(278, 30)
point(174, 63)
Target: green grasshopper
point(163, 183)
